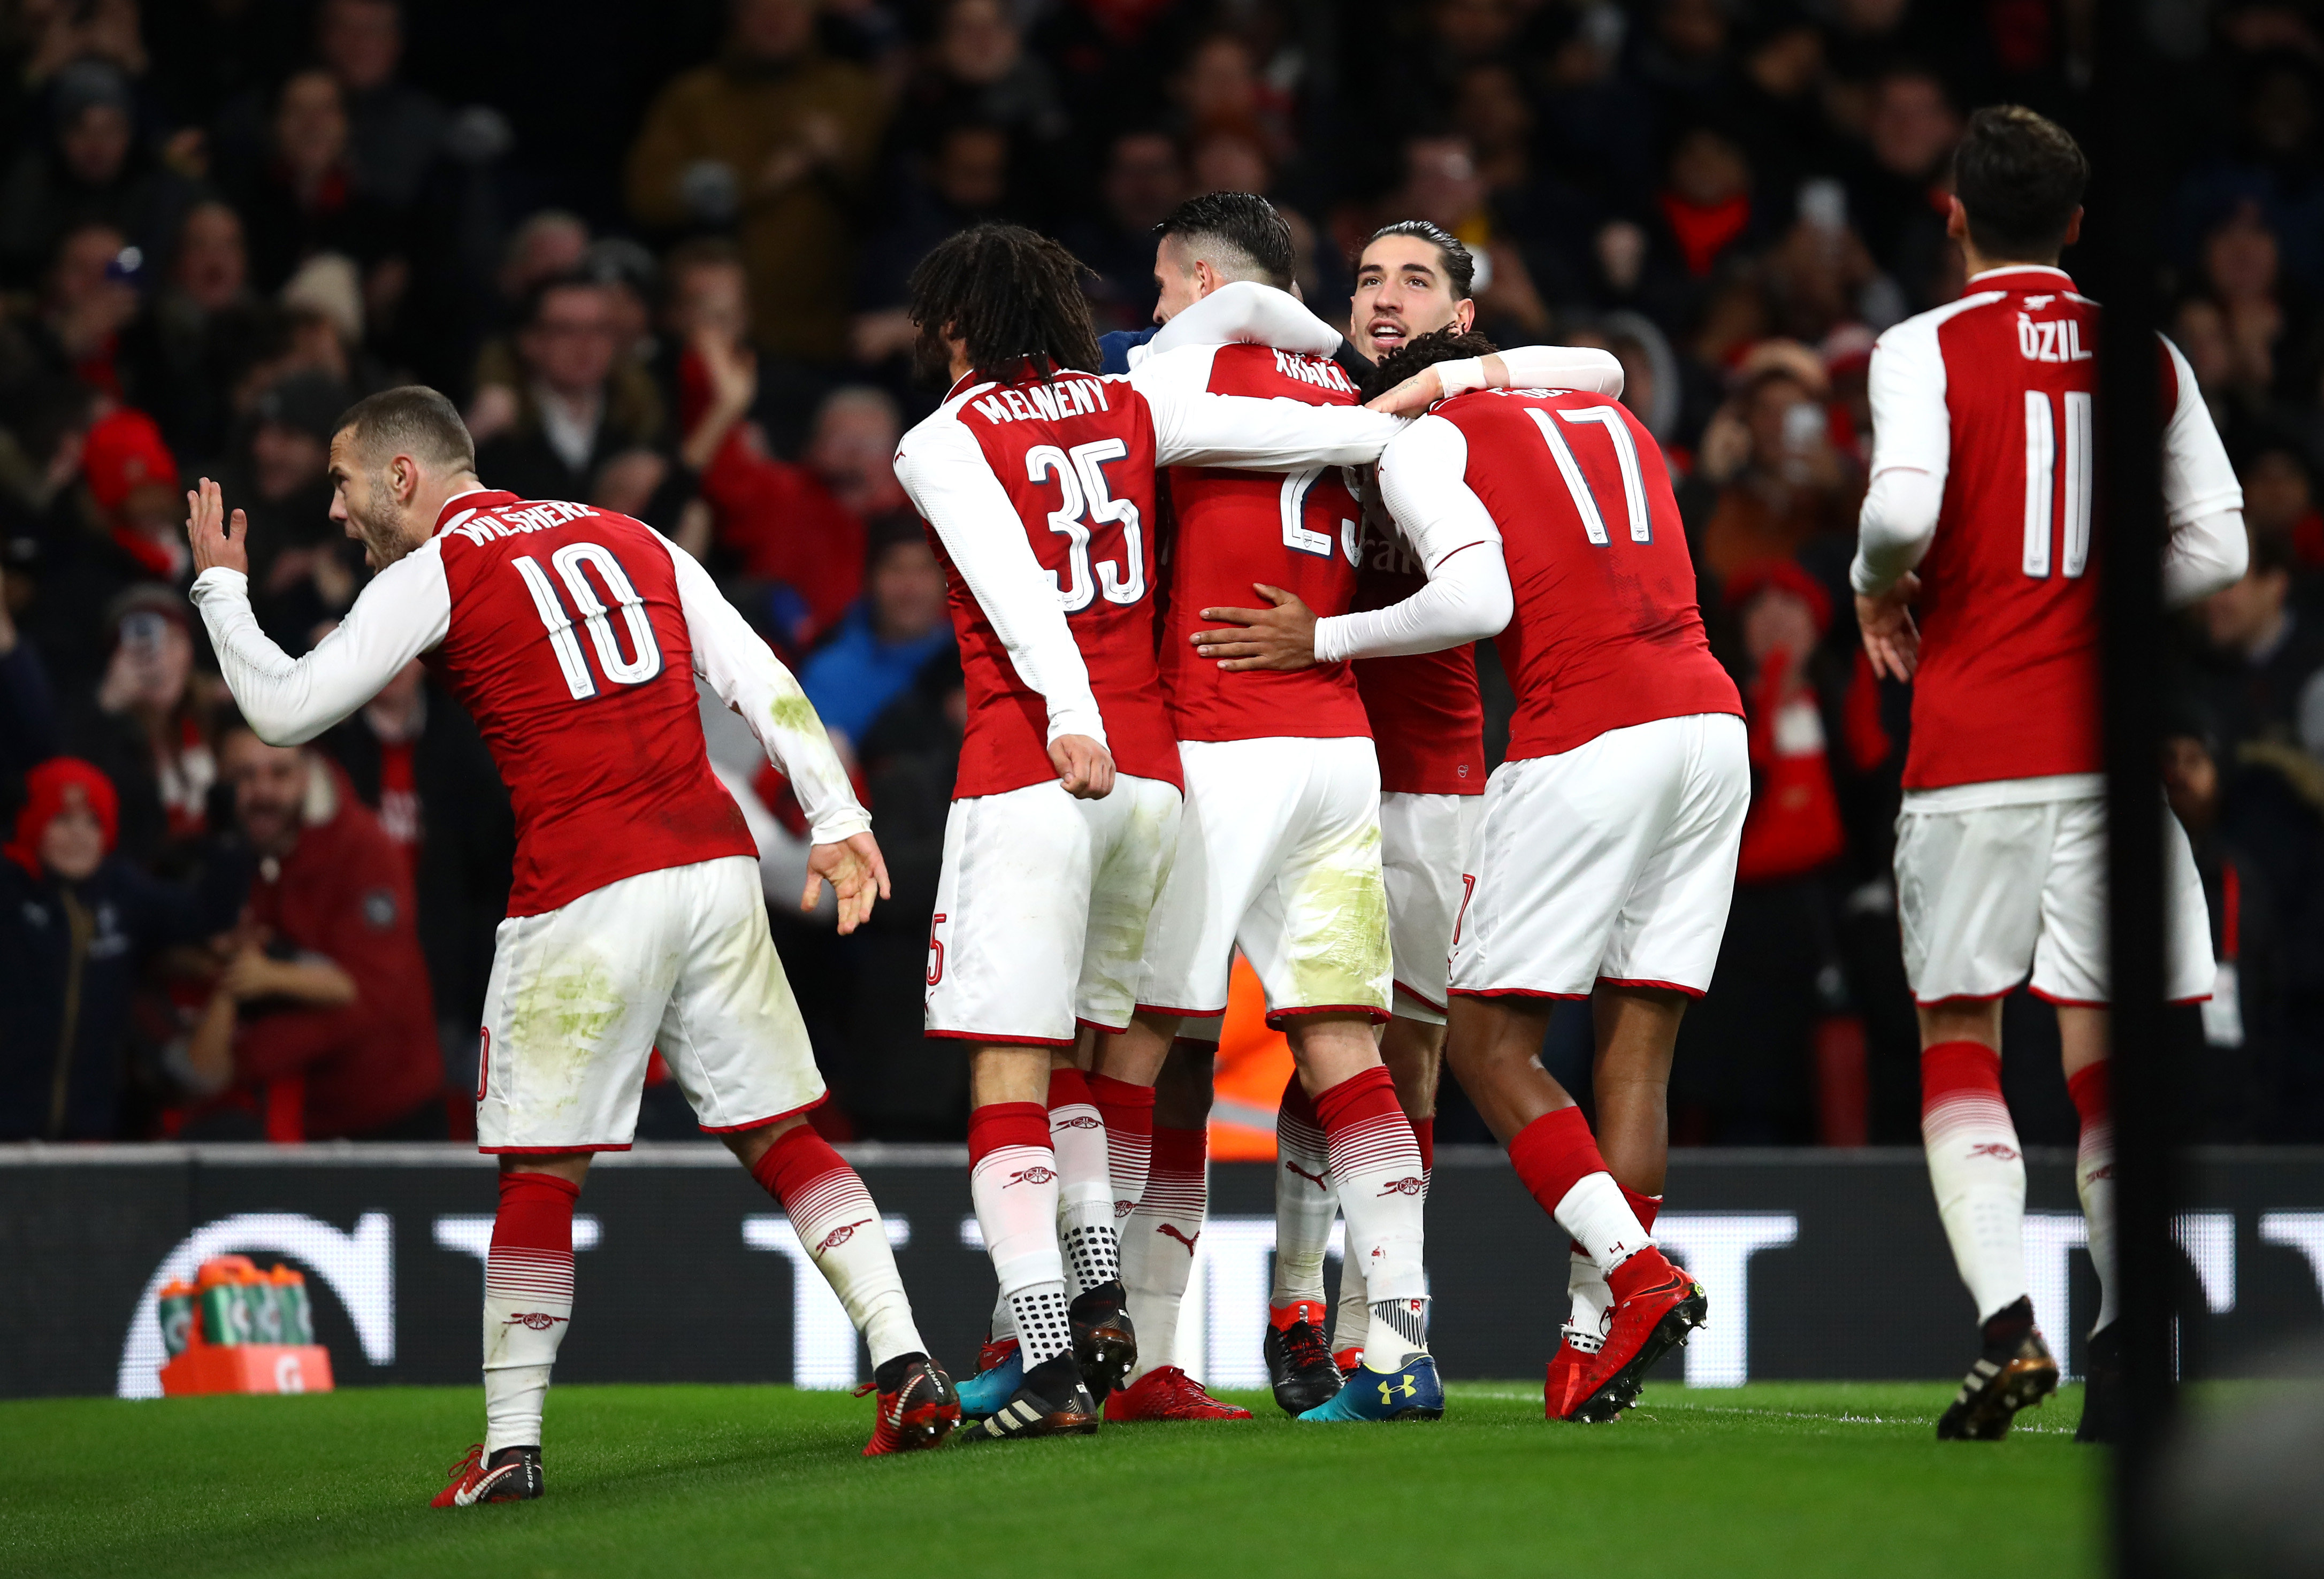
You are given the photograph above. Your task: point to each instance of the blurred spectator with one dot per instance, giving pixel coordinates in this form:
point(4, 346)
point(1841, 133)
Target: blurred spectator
point(2262, 678)
point(888, 638)
point(87, 299)
point(28, 702)
point(184, 354)
point(782, 526)
point(977, 70)
point(963, 177)
point(297, 193)
point(1143, 181)
point(1781, 483)
point(324, 992)
point(79, 923)
point(89, 170)
point(2279, 501)
point(774, 139)
point(413, 756)
point(1899, 200)
point(147, 729)
point(303, 570)
point(394, 130)
point(2242, 1040)
point(579, 402)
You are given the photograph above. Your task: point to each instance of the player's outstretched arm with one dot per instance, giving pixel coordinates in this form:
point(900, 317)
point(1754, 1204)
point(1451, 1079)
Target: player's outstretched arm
point(945, 472)
point(1193, 427)
point(1249, 312)
point(405, 610)
point(1528, 367)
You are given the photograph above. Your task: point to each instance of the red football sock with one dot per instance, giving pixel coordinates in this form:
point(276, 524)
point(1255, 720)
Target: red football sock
point(1376, 1162)
point(1644, 1206)
point(1129, 1114)
point(1552, 1154)
point(833, 1215)
point(528, 1303)
point(1424, 1135)
point(2092, 1089)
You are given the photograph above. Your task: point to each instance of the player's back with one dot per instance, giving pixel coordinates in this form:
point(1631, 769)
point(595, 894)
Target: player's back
point(1426, 717)
point(1606, 632)
point(568, 644)
point(1076, 455)
point(2007, 684)
point(1297, 530)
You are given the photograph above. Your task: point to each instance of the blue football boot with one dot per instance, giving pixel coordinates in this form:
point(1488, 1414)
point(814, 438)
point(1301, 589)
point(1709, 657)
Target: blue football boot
point(1413, 1393)
point(1000, 1371)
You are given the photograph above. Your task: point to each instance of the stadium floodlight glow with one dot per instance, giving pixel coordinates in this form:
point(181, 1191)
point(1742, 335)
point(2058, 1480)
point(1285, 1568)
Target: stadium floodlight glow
point(359, 1268)
point(825, 1349)
point(1717, 1247)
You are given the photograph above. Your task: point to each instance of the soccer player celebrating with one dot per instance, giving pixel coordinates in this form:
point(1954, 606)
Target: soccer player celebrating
point(1039, 483)
point(1980, 516)
point(1606, 860)
point(575, 636)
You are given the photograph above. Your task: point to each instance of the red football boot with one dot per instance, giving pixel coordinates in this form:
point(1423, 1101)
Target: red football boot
point(1168, 1393)
point(1349, 1360)
point(918, 1406)
point(1560, 1390)
point(1656, 1306)
point(511, 1475)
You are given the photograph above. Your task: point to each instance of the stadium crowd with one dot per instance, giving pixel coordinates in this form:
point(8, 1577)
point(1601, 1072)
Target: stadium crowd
point(660, 262)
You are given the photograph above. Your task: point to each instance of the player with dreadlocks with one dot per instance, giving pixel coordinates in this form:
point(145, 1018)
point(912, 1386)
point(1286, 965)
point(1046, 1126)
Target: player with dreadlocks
point(1036, 479)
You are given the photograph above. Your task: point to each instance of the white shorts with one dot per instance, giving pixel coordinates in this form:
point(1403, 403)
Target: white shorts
point(1614, 861)
point(679, 959)
point(1988, 895)
point(1425, 844)
point(1042, 907)
point(1280, 856)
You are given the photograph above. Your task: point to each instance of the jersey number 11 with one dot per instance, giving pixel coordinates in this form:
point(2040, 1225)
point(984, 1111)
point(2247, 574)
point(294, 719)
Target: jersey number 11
point(2042, 466)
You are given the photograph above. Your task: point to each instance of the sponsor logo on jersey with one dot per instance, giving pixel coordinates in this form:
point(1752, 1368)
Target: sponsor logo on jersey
point(1068, 397)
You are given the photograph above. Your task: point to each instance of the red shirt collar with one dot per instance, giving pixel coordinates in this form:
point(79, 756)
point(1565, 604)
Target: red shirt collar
point(461, 506)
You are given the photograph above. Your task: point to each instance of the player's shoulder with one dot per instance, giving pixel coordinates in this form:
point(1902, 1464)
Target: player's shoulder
point(1923, 331)
point(1247, 367)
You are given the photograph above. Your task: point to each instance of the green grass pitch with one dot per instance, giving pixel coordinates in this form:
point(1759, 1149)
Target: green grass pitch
point(1791, 1479)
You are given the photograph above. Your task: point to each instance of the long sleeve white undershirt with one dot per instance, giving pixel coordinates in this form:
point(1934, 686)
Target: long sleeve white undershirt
point(407, 610)
point(1542, 367)
point(1422, 479)
point(943, 469)
point(1193, 427)
point(2205, 550)
point(1246, 311)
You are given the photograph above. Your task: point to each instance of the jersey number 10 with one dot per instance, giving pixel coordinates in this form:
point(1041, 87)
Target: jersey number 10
point(618, 670)
point(2041, 483)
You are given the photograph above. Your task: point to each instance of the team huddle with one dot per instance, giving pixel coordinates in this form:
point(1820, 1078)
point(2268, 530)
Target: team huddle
point(1216, 589)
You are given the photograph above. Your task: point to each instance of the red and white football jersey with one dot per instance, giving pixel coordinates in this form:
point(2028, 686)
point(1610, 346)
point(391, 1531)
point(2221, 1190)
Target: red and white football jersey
point(1995, 394)
point(569, 646)
point(1040, 501)
point(1297, 530)
point(574, 637)
point(1605, 631)
point(1428, 720)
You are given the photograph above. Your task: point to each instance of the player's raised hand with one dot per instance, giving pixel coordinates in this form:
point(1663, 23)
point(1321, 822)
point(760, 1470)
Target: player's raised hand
point(857, 872)
point(1416, 395)
point(1084, 766)
point(1891, 640)
point(214, 547)
point(1281, 636)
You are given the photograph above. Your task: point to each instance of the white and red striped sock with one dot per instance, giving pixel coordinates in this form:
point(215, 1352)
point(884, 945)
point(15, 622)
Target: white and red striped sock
point(1158, 1247)
point(527, 1303)
point(1086, 1236)
point(1977, 1170)
point(833, 1215)
point(1306, 1201)
point(1129, 1113)
point(1012, 1177)
point(1376, 1160)
point(2091, 1089)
